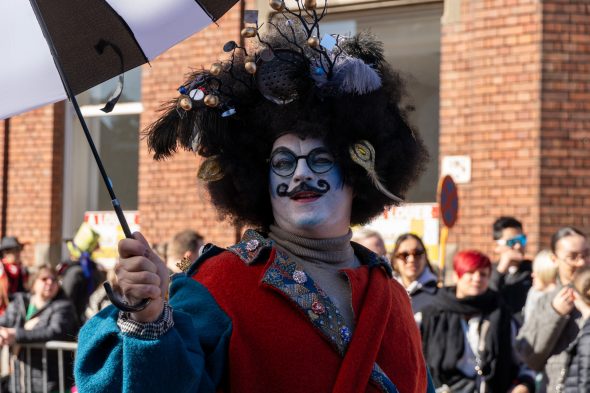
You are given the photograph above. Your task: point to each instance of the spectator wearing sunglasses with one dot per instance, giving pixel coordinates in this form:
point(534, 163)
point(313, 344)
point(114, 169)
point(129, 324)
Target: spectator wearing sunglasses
point(555, 323)
point(410, 261)
point(512, 272)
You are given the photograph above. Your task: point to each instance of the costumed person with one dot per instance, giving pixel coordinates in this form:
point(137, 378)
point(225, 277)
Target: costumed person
point(80, 275)
point(295, 306)
point(44, 314)
point(468, 334)
point(13, 266)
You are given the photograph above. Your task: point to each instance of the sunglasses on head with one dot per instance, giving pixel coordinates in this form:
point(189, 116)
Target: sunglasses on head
point(405, 255)
point(520, 239)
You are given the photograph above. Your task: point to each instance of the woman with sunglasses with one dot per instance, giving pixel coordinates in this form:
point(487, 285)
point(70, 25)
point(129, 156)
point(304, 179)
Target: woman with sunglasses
point(410, 261)
point(44, 314)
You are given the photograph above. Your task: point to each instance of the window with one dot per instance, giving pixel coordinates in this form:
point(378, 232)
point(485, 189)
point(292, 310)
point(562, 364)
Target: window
point(411, 36)
point(116, 136)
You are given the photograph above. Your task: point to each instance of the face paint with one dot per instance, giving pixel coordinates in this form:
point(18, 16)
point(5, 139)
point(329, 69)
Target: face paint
point(308, 196)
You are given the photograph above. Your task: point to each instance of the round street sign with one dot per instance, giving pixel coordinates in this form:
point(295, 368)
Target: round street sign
point(448, 201)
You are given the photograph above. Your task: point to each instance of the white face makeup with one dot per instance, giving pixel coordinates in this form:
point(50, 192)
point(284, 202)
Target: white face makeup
point(308, 196)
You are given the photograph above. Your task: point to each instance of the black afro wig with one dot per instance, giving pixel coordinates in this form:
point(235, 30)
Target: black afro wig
point(241, 144)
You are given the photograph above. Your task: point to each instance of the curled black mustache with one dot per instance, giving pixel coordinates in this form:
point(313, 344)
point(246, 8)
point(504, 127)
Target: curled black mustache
point(322, 188)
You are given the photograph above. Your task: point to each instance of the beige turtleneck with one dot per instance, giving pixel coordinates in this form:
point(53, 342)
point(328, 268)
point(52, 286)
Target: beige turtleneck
point(322, 259)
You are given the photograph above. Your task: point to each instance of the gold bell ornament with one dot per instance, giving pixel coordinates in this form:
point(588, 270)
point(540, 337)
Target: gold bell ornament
point(248, 32)
point(215, 69)
point(250, 65)
point(310, 4)
point(313, 42)
point(277, 5)
point(185, 102)
point(211, 100)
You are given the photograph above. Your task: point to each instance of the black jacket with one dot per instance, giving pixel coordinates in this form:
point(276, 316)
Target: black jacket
point(78, 288)
point(421, 296)
point(514, 287)
point(578, 373)
point(57, 321)
point(443, 342)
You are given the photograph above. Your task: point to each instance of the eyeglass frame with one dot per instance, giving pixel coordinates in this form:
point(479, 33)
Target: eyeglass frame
point(317, 150)
point(584, 255)
point(415, 253)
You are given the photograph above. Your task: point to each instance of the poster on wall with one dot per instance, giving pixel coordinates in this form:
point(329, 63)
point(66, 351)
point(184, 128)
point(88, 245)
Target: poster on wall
point(421, 219)
point(108, 227)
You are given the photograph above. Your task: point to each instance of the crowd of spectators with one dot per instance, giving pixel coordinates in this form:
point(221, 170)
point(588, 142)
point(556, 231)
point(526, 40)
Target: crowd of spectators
point(510, 324)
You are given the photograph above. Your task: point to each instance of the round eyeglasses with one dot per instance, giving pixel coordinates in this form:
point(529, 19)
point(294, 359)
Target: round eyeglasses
point(283, 161)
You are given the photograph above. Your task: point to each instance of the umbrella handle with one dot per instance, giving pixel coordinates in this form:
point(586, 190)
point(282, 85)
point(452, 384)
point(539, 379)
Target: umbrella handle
point(122, 304)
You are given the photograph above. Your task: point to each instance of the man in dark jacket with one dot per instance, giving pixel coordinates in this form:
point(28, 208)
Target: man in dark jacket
point(511, 275)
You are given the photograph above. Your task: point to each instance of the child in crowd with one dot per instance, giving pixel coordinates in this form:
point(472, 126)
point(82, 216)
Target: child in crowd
point(577, 377)
point(544, 280)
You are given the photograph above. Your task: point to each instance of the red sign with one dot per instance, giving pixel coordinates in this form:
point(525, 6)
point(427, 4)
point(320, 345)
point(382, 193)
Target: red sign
point(448, 201)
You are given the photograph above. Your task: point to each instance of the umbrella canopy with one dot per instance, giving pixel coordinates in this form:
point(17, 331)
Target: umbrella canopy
point(93, 40)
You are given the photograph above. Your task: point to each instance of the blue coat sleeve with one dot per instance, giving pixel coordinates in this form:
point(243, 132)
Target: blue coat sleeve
point(190, 357)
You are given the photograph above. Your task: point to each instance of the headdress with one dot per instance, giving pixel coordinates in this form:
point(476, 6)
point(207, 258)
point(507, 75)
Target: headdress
point(291, 79)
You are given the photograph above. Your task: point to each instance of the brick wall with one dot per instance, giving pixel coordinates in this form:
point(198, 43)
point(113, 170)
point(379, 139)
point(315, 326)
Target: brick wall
point(490, 110)
point(565, 120)
point(170, 196)
point(514, 96)
point(35, 182)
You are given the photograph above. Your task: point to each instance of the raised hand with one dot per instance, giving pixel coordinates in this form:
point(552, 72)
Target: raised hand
point(142, 274)
point(563, 302)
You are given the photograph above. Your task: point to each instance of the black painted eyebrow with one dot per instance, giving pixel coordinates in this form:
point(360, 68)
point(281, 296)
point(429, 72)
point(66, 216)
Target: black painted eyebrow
point(282, 149)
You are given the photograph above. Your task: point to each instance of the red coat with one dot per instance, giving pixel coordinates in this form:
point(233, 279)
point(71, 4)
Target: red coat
point(288, 337)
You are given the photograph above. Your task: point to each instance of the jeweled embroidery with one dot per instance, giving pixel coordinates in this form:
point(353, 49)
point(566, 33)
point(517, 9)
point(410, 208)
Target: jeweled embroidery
point(251, 247)
point(286, 276)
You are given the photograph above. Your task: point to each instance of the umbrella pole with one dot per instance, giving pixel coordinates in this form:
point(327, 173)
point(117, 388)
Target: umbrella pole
point(107, 181)
point(113, 297)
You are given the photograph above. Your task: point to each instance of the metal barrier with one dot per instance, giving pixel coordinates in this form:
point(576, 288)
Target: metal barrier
point(24, 382)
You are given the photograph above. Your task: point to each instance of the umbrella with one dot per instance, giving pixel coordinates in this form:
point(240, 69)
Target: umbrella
point(92, 40)
point(56, 49)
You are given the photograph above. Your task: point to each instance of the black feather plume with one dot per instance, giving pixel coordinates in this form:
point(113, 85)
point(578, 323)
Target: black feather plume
point(364, 46)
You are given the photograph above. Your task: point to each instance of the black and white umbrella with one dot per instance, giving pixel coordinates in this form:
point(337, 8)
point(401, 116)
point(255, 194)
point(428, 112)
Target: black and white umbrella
point(91, 40)
point(56, 49)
